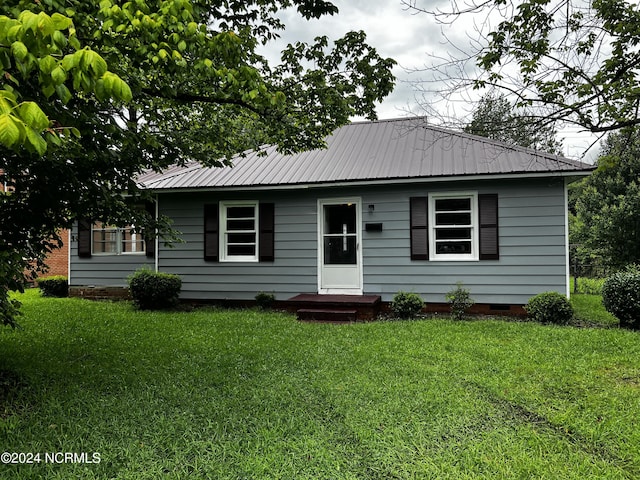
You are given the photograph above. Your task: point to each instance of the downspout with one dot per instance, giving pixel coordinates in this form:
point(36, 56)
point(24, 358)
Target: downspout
point(157, 252)
point(566, 237)
point(69, 256)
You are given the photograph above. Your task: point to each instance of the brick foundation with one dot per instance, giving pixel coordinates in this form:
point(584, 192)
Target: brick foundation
point(100, 293)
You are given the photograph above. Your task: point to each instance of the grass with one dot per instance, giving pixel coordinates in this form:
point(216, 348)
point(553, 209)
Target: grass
point(248, 394)
point(587, 303)
point(588, 310)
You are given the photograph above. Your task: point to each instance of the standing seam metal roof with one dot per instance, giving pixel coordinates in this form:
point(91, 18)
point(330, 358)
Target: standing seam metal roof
point(368, 151)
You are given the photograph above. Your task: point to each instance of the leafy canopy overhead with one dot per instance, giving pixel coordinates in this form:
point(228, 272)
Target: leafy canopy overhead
point(92, 94)
point(575, 61)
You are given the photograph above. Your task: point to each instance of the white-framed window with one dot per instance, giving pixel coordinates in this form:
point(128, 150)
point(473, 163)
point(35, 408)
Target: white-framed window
point(239, 231)
point(112, 240)
point(453, 225)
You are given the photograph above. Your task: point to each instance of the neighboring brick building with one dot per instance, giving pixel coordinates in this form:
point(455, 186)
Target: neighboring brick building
point(58, 260)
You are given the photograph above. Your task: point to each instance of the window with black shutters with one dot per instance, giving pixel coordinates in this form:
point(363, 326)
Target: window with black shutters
point(454, 226)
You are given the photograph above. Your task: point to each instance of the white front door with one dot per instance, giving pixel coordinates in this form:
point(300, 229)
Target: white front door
point(340, 255)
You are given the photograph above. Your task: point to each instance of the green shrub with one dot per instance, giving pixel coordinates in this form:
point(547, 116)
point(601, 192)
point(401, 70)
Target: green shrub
point(550, 307)
point(55, 286)
point(621, 297)
point(265, 300)
point(154, 290)
point(460, 301)
point(406, 305)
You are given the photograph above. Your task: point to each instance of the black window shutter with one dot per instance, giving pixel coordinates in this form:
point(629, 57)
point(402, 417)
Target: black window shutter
point(84, 238)
point(419, 228)
point(211, 232)
point(150, 240)
point(266, 229)
point(488, 220)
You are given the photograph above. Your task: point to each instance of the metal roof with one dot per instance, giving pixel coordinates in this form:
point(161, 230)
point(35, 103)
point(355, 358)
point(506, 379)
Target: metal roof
point(401, 149)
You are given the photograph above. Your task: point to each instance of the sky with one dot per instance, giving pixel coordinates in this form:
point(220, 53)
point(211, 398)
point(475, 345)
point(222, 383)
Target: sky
point(412, 39)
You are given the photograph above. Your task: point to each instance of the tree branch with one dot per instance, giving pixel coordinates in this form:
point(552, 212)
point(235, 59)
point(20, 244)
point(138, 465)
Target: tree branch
point(184, 97)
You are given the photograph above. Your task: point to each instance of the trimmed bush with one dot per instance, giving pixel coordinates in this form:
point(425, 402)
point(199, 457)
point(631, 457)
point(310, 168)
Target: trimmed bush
point(460, 301)
point(154, 290)
point(621, 297)
point(406, 305)
point(550, 307)
point(265, 300)
point(55, 286)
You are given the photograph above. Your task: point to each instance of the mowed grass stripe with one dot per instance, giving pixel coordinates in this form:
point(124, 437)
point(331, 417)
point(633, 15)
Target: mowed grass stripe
point(249, 394)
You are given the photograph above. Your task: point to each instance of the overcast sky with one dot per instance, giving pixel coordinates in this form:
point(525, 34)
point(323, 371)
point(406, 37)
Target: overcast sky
point(410, 39)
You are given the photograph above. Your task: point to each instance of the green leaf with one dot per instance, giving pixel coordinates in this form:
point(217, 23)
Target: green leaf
point(29, 20)
point(59, 39)
point(9, 96)
point(47, 64)
point(33, 116)
point(58, 75)
point(74, 42)
point(9, 131)
point(14, 32)
point(48, 90)
point(60, 22)
point(96, 63)
point(45, 25)
point(100, 90)
point(63, 93)
point(69, 62)
point(19, 50)
point(36, 141)
point(116, 87)
point(53, 138)
point(6, 106)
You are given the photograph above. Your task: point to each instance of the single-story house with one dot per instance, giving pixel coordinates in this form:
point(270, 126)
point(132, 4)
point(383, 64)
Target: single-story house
point(388, 206)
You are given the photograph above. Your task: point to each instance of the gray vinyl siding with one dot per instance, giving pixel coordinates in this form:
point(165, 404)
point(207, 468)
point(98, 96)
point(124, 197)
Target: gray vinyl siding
point(103, 270)
point(293, 271)
point(531, 217)
point(531, 230)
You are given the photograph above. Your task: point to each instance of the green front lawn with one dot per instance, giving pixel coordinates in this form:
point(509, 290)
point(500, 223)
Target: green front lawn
point(588, 310)
point(246, 394)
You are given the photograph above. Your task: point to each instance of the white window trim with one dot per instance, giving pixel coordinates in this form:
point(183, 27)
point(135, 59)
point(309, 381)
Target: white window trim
point(475, 246)
point(118, 231)
point(224, 257)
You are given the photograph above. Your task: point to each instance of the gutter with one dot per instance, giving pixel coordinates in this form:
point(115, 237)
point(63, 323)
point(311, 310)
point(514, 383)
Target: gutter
point(374, 182)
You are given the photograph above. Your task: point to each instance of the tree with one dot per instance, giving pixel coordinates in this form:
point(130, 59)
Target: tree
point(607, 205)
point(99, 93)
point(574, 61)
point(496, 118)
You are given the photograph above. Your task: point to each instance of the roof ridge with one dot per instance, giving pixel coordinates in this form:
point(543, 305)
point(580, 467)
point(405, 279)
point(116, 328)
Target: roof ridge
point(487, 140)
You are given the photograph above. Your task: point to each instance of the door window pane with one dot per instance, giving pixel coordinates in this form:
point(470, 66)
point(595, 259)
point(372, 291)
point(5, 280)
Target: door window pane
point(340, 250)
point(339, 219)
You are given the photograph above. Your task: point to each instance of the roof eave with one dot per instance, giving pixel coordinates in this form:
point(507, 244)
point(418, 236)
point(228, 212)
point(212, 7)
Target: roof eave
point(380, 181)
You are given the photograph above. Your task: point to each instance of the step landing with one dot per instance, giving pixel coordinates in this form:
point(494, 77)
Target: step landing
point(335, 308)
